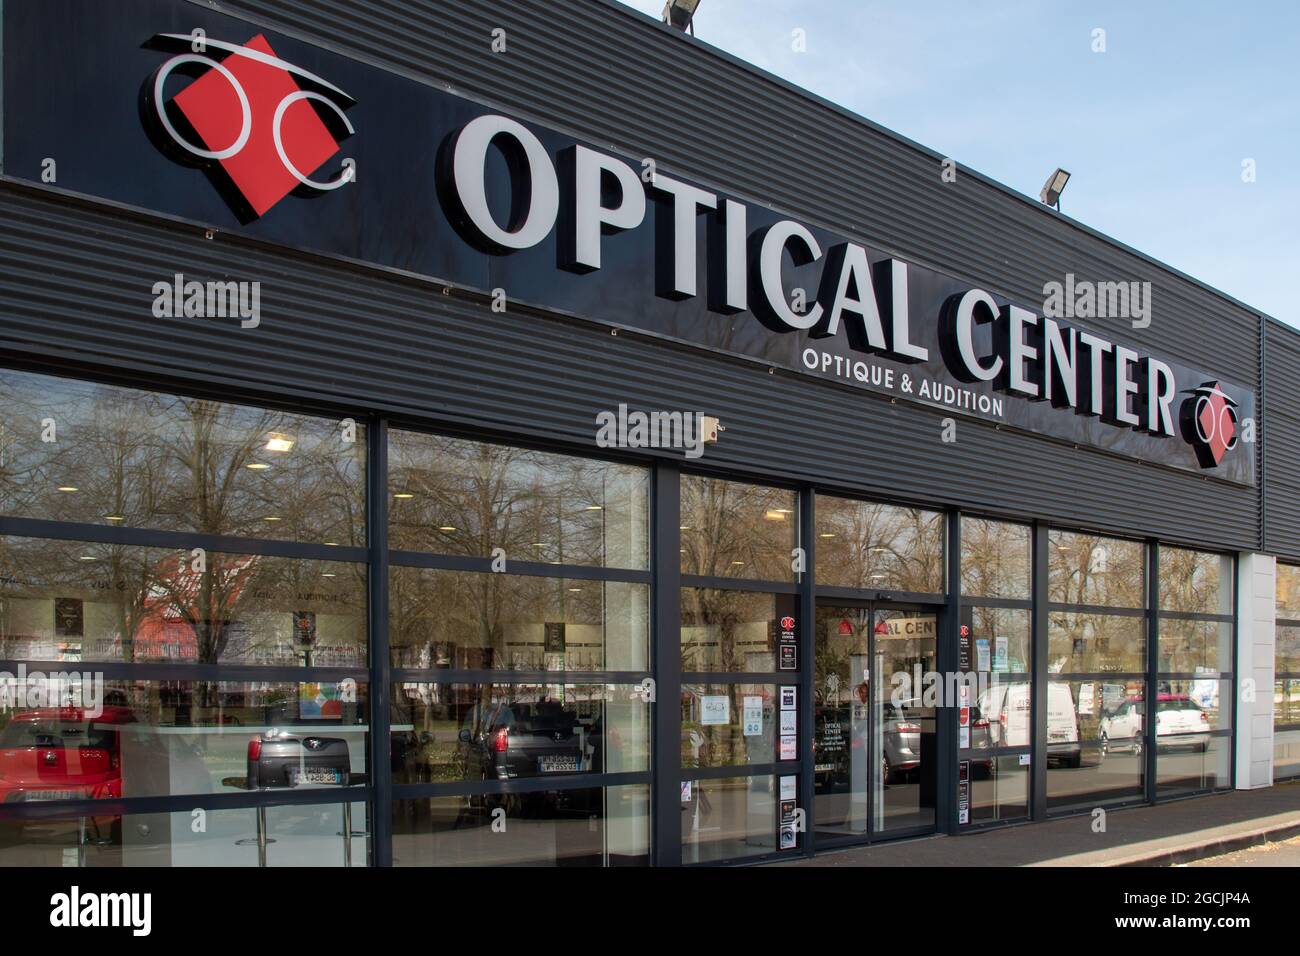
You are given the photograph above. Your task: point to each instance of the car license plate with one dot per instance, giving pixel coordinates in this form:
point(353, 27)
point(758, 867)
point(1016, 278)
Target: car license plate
point(314, 776)
point(32, 795)
point(558, 764)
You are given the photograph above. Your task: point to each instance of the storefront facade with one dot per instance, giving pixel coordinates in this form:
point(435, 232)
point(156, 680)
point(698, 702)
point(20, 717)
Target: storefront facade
point(353, 477)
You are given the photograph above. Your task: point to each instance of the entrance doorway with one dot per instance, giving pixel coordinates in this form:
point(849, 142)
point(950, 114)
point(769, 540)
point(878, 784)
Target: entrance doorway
point(875, 751)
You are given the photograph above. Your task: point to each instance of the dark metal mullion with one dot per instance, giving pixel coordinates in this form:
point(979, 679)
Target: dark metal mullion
point(177, 540)
point(738, 584)
point(537, 569)
point(208, 673)
point(666, 748)
point(1235, 677)
point(880, 596)
point(1149, 694)
point(947, 659)
point(595, 781)
point(408, 675)
point(1038, 790)
point(381, 826)
point(1197, 616)
point(182, 803)
point(807, 665)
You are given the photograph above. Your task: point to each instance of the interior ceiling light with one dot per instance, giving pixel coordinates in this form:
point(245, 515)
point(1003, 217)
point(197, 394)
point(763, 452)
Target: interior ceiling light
point(279, 443)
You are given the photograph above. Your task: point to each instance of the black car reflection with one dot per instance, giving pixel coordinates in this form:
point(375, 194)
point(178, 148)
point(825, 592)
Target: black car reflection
point(520, 740)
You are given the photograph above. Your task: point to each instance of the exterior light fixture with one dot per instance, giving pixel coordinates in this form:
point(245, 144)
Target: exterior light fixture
point(680, 14)
point(279, 443)
point(1051, 193)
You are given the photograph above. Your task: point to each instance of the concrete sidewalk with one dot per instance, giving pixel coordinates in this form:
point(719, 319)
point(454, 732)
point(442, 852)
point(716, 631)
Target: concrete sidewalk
point(1162, 835)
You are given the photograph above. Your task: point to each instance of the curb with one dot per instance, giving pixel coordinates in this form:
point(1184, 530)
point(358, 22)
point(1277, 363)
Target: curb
point(1218, 847)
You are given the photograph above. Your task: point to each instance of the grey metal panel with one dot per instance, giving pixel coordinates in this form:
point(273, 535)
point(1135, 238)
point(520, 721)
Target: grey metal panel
point(609, 74)
point(1281, 425)
point(76, 279)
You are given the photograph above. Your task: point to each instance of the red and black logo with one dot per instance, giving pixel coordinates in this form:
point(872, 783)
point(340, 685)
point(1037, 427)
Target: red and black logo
point(787, 623)
point(259, 126)
point(1210, 422)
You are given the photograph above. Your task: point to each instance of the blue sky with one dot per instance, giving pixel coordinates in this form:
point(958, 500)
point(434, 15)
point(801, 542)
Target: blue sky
point(1154, 130)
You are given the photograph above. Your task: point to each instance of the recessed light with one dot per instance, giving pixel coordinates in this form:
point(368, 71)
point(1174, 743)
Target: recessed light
point(738, 563)
point(447, 528)
point(595, 508)
point(87, 557)
point(331, 544)
point(257, 466)
point(329, 574)
point(539, 544)
point(827, 534)
point(684, 528)
point(574, 590)
point(403, 495)
point(113, 518)
point(279, 443)
point(775, 515)
point(68, 488)
point(270, 518)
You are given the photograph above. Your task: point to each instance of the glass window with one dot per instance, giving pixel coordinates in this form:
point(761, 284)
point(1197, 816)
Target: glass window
point(735, 530)
point(453, 733)
point(75, 601)
point(150, 739)
point(725, 631)
point(1288, 591)
point(996, 559)
point(1191, 646)
point(879, 547)
point(1195, 582)
point(1288, 649)
point(1094, 570)
point(585, 827)
point(1088, 643)
point(98, 454)
point(995, 639)
point(1286, 754)
point(1095, 780)
point(726, 725)
point(999, 788)
point(1286, 702)
point(728, 819)
point(452, 496)
point(483, 621)
point(301, 835)
point(1188, 764)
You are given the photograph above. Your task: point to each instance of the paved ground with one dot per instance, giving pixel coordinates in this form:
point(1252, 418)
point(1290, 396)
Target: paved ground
point(1143, 836)
point(1286, 853)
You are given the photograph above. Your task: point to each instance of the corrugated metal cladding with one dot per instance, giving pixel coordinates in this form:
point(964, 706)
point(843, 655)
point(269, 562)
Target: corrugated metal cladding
point(606, 73)
point(1282, 441)
point(76, 279)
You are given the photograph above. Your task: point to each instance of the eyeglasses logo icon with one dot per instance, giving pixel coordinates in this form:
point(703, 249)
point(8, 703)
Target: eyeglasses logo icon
point(260, 126)
point(1211, 423)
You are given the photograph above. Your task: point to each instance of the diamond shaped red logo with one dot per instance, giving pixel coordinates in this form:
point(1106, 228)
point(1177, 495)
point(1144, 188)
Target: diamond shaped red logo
point(260, 126)
point(1210, 423)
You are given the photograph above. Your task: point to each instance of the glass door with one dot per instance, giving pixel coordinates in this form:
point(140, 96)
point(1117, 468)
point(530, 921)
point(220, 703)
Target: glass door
point(875, 759)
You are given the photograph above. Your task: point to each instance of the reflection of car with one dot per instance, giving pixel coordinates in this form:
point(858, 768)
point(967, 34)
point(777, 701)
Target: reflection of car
point(1008, 707)
point(901, 733)
point(280, 759)
point(61, 753)
point(507, 741)
point(1180, 722)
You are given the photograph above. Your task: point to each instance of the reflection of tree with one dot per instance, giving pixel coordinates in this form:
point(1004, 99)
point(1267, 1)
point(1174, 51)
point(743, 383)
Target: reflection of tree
point(879, 547)
point(459, 497)
point(995, 558)
point(81, 452)
point(717, 620)
point(1104, 573)
point(737, 530)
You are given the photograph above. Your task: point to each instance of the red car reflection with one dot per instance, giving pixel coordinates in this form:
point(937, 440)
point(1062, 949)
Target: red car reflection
point(60, 753)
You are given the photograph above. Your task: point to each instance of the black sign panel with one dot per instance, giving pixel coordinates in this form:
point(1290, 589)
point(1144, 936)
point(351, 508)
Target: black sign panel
point(266, 136)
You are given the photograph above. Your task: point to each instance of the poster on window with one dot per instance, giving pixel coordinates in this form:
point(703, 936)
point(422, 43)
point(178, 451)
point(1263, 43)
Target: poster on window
point(715, 710)
point(319, 702)
point(753, 716)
